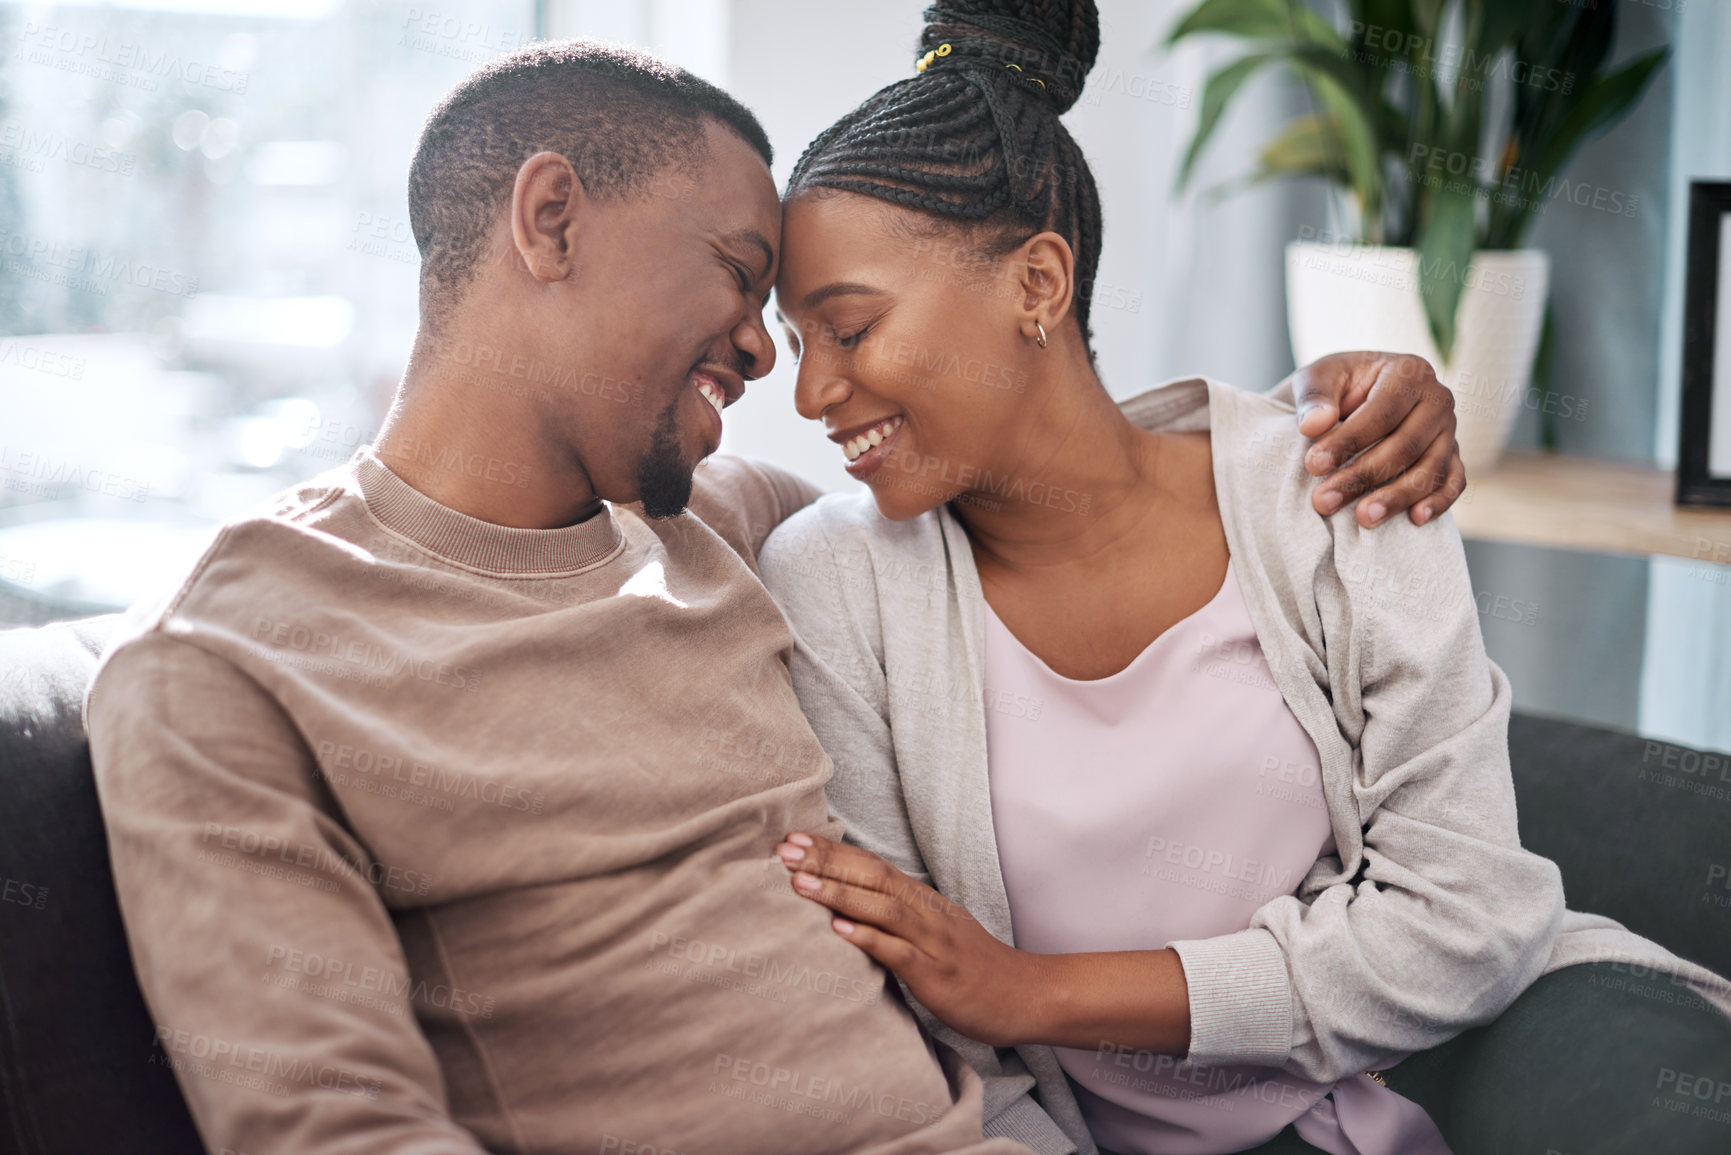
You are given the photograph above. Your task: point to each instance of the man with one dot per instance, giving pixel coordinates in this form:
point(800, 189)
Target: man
point(442, 795)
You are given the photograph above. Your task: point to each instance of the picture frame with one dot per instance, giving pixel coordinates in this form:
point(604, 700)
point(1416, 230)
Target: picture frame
point(1704, 452)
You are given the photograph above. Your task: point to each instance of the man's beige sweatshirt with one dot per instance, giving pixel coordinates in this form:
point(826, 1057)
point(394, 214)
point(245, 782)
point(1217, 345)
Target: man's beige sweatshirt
point(436, 836)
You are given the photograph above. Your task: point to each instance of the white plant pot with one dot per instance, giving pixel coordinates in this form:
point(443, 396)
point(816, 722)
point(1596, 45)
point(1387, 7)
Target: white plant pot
point(1343, 297)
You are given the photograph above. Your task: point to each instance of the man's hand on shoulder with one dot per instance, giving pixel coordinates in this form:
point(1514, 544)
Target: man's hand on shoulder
point(1384, 430)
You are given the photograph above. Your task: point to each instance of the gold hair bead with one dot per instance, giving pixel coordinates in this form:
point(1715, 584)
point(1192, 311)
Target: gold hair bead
point(1035, 79)
point(926, 60)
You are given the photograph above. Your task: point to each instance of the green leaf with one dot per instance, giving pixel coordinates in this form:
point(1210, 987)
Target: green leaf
point(1255, 20)
point(1386, 16)
point(1306, 146)
point(1216, 94)
point(1250, 18)
point(1445, 250)
point(1604, 102)
point(1427, 17)
point(1350, 115)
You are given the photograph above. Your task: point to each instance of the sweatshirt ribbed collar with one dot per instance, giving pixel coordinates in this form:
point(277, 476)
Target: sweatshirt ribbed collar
point(477, 544)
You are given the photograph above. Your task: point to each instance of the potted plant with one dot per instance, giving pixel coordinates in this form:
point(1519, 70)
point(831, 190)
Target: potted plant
point(1438, 175)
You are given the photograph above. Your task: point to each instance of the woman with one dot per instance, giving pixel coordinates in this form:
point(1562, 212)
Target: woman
point(1239, 793)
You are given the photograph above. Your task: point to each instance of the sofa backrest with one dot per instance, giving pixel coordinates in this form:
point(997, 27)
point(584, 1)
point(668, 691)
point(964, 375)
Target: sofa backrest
point(80, 1069)
point(1640, 828)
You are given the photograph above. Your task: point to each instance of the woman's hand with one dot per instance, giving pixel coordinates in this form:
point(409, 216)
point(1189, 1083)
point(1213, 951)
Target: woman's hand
point(1389, 417)
point(963, 975)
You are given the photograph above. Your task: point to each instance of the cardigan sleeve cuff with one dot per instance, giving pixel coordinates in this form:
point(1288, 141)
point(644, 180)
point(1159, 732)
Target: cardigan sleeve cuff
point(1024, 1122)
point(1240, 999)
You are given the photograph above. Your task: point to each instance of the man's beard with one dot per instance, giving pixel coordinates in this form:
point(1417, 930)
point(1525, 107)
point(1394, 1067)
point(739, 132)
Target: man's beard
point(663, 478)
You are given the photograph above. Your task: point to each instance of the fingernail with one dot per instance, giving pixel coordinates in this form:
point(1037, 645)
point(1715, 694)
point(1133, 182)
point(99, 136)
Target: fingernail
point(842, 925)
point(1329, 502)
point(1421, 515)
point(1319, 460)
point(801, 840)
point(804, 881)
point(789, 853)
point(1375, 512)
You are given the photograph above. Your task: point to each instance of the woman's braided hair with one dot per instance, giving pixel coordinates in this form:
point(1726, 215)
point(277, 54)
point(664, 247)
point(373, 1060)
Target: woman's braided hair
point(974, 138)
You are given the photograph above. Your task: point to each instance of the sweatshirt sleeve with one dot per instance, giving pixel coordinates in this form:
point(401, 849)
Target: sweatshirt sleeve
point(744, 499)
point(1447, 919)
point(233, 873)
point(827, 589)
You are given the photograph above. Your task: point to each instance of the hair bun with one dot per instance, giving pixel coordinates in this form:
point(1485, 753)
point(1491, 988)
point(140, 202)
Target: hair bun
point(1053, 43)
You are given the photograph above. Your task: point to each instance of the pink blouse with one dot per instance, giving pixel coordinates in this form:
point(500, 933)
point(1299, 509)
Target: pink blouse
point(1169, 801)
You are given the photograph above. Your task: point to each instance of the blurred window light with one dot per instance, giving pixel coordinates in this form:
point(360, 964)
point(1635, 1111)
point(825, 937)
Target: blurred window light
point(270, 9)
point(302, 322)
point(292, 162)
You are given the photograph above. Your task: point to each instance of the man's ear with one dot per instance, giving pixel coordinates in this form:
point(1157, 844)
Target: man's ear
point(1045, 270)
point(545, 204)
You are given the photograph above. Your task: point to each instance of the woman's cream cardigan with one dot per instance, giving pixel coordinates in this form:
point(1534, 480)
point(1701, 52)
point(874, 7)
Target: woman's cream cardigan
point(1429, 920)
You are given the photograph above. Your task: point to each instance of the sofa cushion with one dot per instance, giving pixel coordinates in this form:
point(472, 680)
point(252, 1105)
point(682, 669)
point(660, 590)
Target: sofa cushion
point(79, 1066)
point(1641, 830)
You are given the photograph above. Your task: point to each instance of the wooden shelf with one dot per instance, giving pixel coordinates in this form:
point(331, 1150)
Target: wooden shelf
point(1578, 503)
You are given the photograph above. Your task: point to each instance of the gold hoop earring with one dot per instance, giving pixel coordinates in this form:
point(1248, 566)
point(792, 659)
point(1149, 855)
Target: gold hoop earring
point(1041, 339)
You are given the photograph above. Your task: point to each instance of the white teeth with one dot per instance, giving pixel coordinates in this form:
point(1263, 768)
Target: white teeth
point(876, 435)
point(712, 395)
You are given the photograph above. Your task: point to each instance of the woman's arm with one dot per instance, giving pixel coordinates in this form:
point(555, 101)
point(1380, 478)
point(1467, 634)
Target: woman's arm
point(979, 986)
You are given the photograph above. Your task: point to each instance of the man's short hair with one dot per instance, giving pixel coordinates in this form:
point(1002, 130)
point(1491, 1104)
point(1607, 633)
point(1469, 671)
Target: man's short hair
point(620, 116)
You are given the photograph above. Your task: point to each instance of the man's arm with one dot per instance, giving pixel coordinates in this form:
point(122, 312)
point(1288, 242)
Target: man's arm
point(232, 878)
point(1385, 427)
point(744, 499)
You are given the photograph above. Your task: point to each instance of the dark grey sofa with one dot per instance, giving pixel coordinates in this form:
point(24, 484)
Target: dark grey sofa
point(80, 1072)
